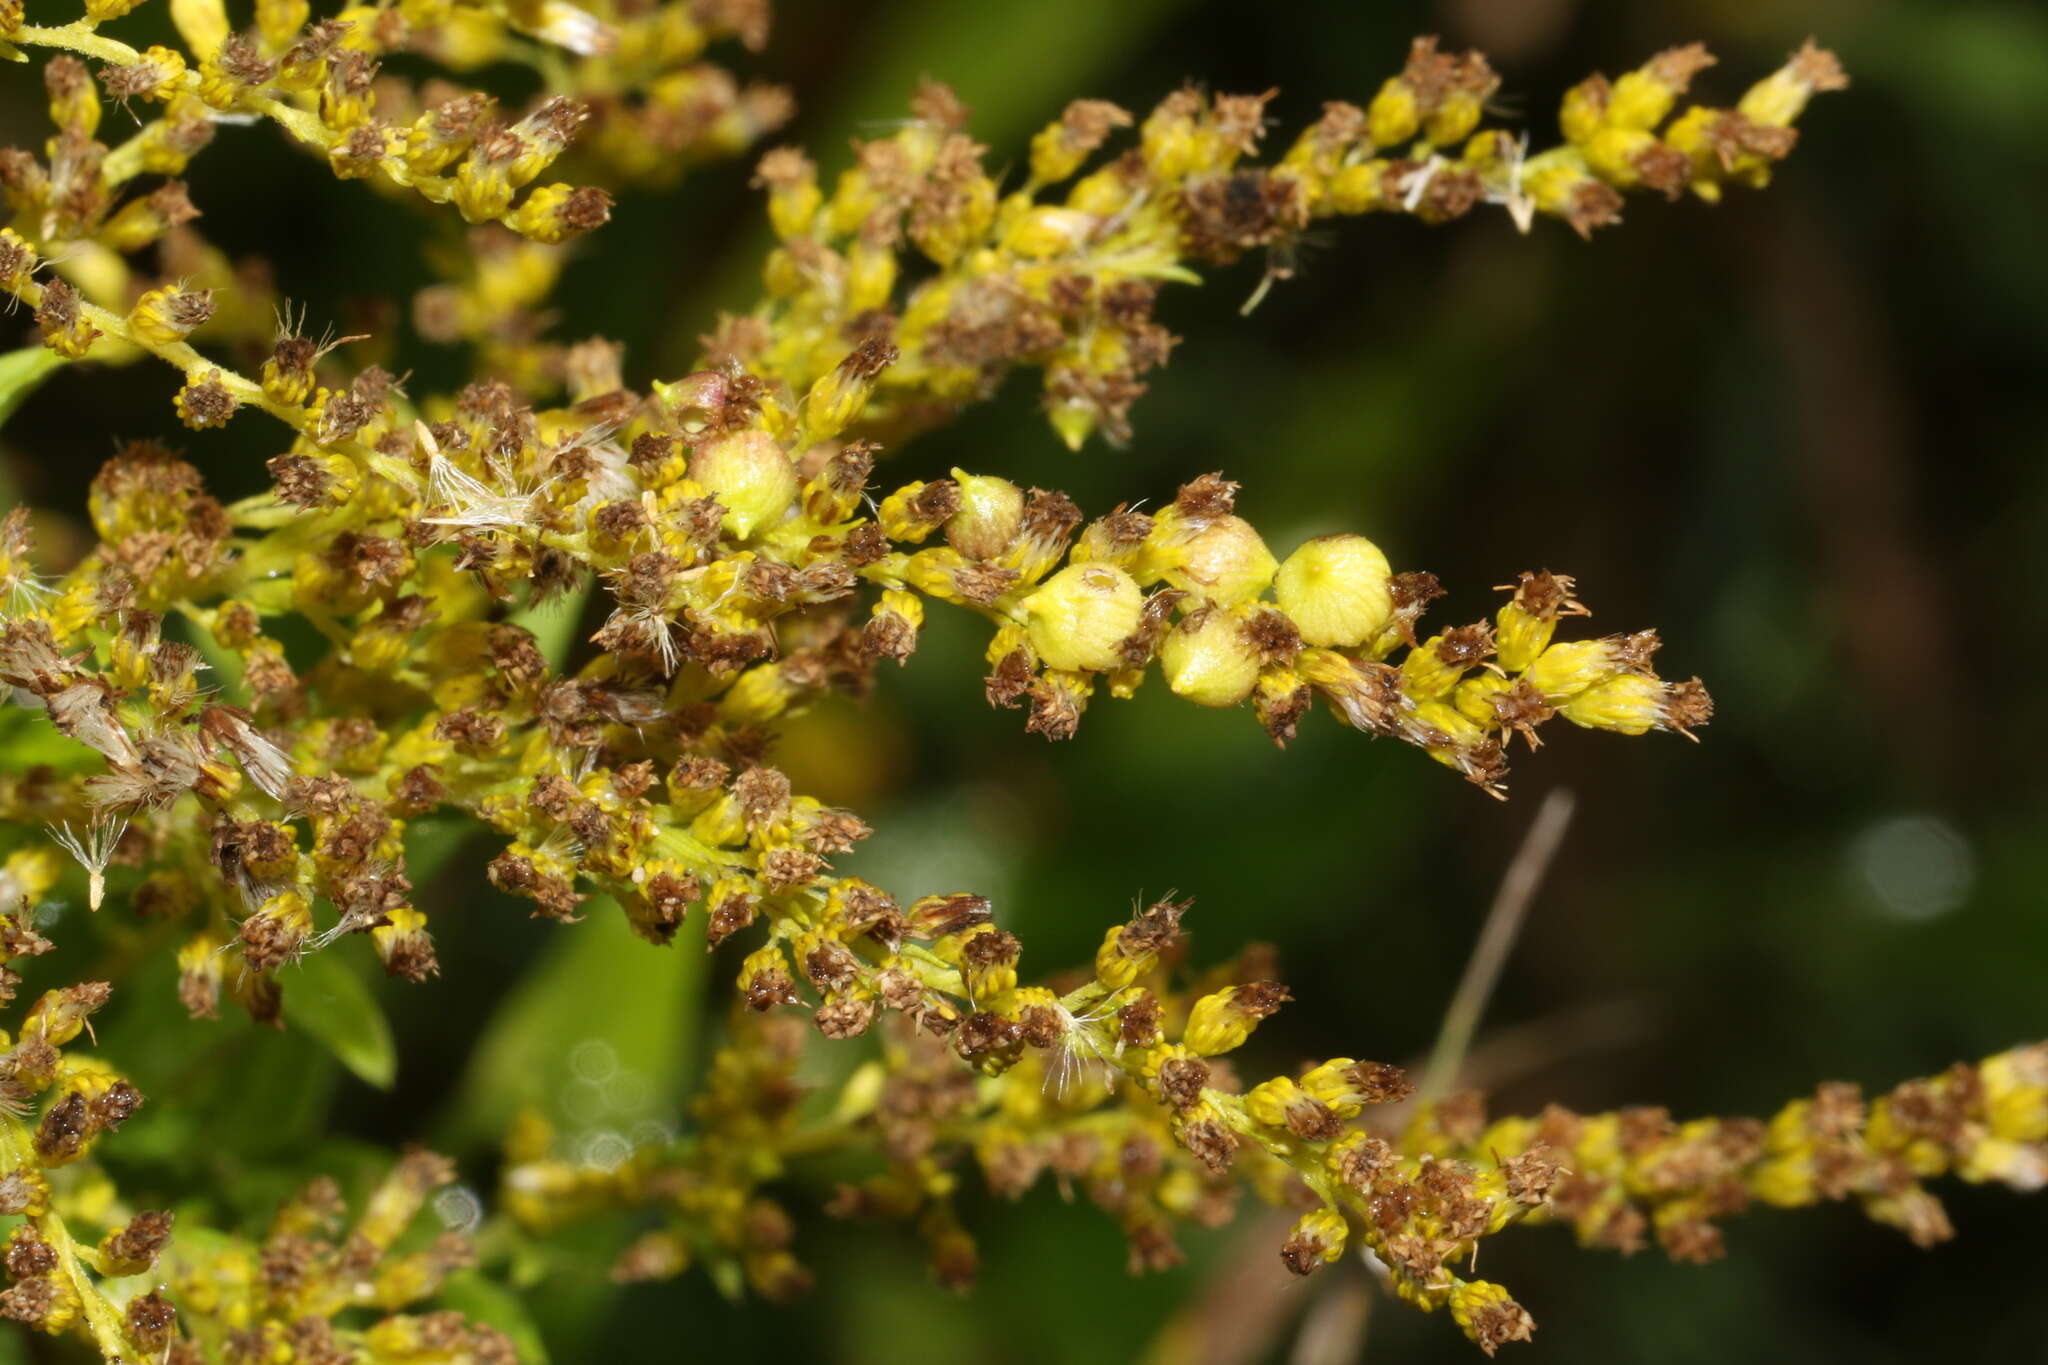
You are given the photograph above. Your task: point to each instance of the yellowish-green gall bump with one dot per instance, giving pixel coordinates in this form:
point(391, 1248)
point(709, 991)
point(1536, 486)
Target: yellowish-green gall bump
point(1222, 559)
point(1336, 588)
point(1082, 615)
point(750, 476)
point(1208, 660)
point(991, 509)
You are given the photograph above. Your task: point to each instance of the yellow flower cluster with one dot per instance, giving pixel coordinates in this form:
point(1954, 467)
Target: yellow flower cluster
point(1635, 1173)
point(1122, 1087)
point(641, 774)
point(753, 566)
point(1065, 284)
point(319, 81)
point(288, 1297)
point(133, 1293)
point(55, 1281)
point(626, 86)
point(718, 1217)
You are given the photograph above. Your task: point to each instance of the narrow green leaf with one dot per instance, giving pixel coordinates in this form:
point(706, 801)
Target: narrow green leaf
point(21, 372)
point(14, 1345)
point(29, 739)
point(325, 996)
point(490, 1304)
point(266, 1094)
point(597, 1035)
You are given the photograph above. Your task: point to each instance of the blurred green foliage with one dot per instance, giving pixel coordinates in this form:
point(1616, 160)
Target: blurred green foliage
point(1802, 433)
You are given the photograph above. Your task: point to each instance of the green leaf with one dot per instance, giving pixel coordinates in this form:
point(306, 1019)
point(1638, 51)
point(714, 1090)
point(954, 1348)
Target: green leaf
point(598, 1033)
point(554, 623)
point(29, 740)
point(21, 372)
point(431, 842)
point(326, 997)
point(490, 1304)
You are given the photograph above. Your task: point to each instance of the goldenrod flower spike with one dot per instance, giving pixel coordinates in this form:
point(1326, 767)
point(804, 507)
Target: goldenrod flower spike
point(313, 78)
point(1157, 1135)
point(753, 565)
point(1065, 282)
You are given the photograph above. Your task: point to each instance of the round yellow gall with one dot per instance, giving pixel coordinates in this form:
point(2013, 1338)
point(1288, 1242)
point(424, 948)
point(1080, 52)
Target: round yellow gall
point(1208, 660)
point(1222, 559)
point(1337, 590)
point(991, 510)
point(1082, 615)
point(750, 475)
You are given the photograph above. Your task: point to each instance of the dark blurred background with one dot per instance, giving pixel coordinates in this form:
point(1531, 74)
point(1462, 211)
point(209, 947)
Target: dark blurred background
point(1800, 433)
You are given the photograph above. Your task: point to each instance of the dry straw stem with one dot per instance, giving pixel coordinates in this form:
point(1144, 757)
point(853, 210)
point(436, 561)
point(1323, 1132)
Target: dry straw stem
point(1518, 887)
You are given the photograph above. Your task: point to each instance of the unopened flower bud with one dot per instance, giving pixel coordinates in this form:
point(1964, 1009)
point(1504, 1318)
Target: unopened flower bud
point(277, 21)
point(17, 261)
point(750, 475)
point(835, 401)
point(142, 221)
point(404, 946)
point(1632, 703)
point(74, 102)
point(1570, 667)
point(1059, 148)
point(1208, 659)
point(59, 1016)
point(1317, 1240)
point(199, 975)
point(1222, 1022)
point(1347, 1086)
point(134, 1247)
point(1336, 588)
point(916, 510)
point(1081, 616)
point(167, 315)
point(1641, 99)
point(1530, 617)
point(1487, 1315)
point(2016, 1093)
point(871, 271)
point(1780, 97)
point(794, 198)
point(553, 214)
